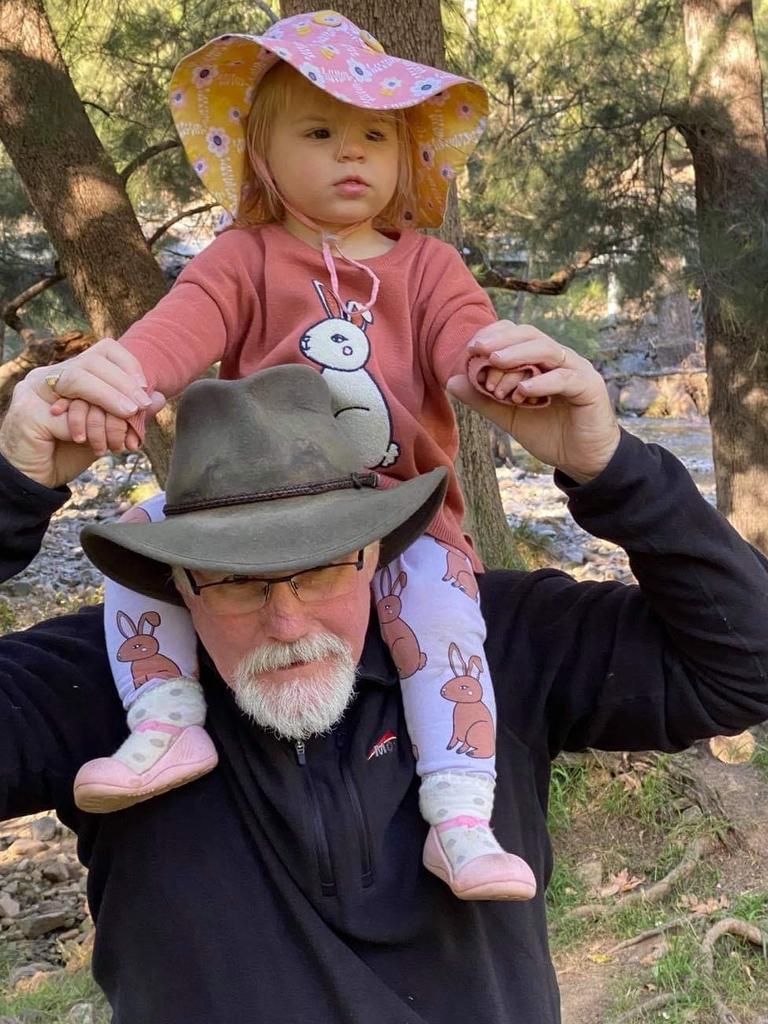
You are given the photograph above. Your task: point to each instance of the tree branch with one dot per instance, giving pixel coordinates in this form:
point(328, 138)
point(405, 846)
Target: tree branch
point(9, 311)
point(556, 284)
point(146, 156)
point(266, 9)
point(157, 235)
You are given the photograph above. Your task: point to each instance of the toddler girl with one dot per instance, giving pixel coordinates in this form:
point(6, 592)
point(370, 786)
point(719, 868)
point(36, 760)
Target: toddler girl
point(329, 153)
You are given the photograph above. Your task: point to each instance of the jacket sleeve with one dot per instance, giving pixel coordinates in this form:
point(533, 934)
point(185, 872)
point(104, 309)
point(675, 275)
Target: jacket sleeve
point(25, 510)
point(683, 654)
point(58, 707)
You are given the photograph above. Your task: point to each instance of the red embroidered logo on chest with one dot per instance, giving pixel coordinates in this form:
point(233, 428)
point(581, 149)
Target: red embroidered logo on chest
point(382, 746)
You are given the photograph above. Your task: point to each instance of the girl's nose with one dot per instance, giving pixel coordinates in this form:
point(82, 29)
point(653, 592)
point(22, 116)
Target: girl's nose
point(350, 148)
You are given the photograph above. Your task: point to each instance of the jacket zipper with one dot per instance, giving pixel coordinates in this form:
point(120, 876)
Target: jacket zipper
point(322, 850)
point(363, 834)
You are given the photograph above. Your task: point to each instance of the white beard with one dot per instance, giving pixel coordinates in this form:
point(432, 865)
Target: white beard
point(297, 708)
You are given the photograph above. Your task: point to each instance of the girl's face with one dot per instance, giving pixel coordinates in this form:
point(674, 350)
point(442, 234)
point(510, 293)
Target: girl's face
point(335, 163)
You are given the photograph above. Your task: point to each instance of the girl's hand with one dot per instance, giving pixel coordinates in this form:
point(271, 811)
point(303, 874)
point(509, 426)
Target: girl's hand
point(577, 432)
point(89, 424)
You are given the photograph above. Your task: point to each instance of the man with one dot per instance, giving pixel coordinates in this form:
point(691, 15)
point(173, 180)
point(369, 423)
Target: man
point(286, 885)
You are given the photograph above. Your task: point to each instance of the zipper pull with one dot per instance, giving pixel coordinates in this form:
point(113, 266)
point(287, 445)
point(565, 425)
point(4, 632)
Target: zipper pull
point(300, 755)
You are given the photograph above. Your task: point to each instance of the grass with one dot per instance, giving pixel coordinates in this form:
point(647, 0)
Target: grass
point(7, 618)
point(760, 758)
point(51, 1000)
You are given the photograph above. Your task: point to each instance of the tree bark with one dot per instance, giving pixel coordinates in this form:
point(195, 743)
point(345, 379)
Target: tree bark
point(74, 186)
point(725, 131)
point(415, 31)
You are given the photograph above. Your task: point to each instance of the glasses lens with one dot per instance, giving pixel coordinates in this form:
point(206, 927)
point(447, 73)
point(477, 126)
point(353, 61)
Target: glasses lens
point(321, 584)
point(234, 598)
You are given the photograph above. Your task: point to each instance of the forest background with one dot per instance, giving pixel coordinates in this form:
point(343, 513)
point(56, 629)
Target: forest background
point(625, 152)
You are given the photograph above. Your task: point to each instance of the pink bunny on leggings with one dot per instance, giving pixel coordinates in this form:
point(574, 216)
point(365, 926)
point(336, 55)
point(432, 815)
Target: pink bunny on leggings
point(398, 635)
point(472, 721)
point(141, 648)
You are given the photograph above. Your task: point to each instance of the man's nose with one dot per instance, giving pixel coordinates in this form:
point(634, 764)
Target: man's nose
point(286, 618)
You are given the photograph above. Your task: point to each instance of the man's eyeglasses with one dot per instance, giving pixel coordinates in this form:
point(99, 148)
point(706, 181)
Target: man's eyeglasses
point(241, 594)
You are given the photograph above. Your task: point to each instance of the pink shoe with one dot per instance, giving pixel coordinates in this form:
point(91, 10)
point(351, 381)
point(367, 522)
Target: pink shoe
point(107, 784)
point(493, 876)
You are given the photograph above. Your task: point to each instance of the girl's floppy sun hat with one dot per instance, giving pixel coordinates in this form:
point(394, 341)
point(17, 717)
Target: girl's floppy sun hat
point(212, 90)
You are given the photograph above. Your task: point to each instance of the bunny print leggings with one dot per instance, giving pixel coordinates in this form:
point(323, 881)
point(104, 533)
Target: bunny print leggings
point(429, 610)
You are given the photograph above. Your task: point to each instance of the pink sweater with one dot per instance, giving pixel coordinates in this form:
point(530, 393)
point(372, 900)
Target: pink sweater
point(260, 297)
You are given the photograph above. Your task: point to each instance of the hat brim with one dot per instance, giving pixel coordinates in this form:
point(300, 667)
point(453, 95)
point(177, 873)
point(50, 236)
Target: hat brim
point(279, 536)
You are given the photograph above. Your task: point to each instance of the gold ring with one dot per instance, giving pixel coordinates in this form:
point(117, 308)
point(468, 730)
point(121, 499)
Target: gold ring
point(563, 354)
point(52, 380)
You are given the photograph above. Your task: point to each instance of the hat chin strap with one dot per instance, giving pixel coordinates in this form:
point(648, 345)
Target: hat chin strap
point(328, 239)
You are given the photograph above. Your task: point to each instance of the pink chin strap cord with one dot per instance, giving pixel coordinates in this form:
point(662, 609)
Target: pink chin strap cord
point(328, 239)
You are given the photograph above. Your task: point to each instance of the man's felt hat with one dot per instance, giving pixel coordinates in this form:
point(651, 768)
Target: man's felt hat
point(212, 91)
point(263, 480)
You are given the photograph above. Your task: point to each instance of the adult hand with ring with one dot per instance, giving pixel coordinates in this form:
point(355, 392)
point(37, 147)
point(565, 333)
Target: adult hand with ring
point(577, 432)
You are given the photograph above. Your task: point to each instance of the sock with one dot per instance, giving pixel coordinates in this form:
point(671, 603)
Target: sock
point(157, 718)
point(459, 805)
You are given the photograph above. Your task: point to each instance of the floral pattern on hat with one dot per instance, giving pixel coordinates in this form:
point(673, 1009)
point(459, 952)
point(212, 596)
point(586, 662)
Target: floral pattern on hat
point(215, 86)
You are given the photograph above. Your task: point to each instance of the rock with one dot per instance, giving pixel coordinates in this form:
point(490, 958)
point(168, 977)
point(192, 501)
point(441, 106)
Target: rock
point(29, 971)
point(54, 871)
point(24, 848)
point(81, 1013)
point(40, 924)
point(44, 829)
point(9, 907)
point(637, 396)
point(590, 872)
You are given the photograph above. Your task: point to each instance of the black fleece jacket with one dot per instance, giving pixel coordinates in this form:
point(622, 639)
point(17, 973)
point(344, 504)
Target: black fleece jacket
point(286, 885)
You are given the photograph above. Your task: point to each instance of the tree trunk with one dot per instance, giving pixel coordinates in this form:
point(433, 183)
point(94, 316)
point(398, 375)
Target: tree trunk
point(725, 132)
point(673, 312)
point(415, 31)
point(74, 186)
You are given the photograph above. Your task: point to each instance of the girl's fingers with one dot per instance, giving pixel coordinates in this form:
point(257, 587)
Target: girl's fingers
point(60, 406)
point(96, 428)
point(132, 441)
point(492, 379)
point(117, 431)
point(507, 385)
point(77, 412)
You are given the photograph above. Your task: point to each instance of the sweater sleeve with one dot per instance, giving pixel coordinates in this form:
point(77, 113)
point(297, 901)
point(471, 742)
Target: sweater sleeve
point(680, 656)
point(456, 308)
point(211, 305)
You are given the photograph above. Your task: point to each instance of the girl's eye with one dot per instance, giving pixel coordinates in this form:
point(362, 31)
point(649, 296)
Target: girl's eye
point(319, 133)
point(377, 136)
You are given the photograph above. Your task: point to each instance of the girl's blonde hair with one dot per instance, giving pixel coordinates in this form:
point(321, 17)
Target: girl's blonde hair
point(260, 203)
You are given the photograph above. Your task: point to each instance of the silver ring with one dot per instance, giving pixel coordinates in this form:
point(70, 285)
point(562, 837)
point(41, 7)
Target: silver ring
point(52, 380)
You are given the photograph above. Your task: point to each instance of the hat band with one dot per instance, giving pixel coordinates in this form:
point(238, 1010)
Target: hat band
point(354, 480)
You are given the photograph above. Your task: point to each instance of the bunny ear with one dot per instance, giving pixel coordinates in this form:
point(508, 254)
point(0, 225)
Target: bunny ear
point(126, 622)
point(475, 662)
point(329, 302)
point(454, 657)
point(399, 584)
point(153, 618)
point(386, 581)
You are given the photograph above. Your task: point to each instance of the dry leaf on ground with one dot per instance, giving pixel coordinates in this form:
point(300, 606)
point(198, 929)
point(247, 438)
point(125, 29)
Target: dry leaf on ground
point(619, 883)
